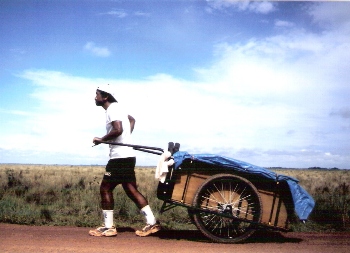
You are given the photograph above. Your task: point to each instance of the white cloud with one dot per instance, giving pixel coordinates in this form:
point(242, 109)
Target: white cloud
point(18, 51)
point(331, 14)
point(286, 84)
point(254, 104)
point(262, 7)
point(97, 51)
point(16, 112)
point(341, 112)
point(116, 12)
point(120, 13)
point(283, 23)
point(278, 101)
point(142, 14)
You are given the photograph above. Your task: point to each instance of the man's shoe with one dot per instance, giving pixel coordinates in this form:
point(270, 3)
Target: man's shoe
point(103, 231)
point(148, 229)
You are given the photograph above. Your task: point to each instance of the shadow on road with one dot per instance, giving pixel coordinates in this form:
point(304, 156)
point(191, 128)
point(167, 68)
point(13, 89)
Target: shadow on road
point(265, 236)
point(190, 235)
point(259, 236)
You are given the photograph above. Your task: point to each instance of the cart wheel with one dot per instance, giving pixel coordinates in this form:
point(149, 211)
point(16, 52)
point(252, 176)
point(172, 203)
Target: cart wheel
point(229, 195)
point(191, 214)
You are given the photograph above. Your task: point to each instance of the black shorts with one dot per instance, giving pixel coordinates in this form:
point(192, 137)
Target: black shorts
point(120, 170)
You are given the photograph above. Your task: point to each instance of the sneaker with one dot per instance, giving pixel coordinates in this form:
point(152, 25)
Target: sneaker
point(103, 231)
point(148, 229)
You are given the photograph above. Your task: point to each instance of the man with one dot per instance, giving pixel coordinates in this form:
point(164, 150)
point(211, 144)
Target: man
point(121, 166)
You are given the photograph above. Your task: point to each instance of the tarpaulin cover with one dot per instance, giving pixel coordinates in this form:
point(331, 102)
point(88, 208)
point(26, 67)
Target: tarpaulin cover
point(303, 202)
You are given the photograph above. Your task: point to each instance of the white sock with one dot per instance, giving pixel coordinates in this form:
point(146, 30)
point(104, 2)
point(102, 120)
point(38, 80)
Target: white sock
point(147, 212)
point(108, 217)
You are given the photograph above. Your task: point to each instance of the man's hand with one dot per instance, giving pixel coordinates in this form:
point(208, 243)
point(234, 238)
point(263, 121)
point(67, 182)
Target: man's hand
point(97, 140)
point(114, 133)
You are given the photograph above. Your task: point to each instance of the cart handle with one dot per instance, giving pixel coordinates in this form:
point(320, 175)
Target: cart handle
point(136, 147)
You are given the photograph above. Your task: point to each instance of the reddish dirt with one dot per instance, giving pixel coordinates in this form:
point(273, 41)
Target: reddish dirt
point(19, 238)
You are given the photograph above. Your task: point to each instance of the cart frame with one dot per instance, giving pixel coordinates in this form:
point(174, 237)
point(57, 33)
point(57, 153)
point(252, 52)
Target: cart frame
point(226, 206)
point(184, 187)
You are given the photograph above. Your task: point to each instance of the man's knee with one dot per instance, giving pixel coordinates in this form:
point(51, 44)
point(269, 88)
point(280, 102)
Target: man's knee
point(107, 186)
point(104, 188)
point(130, 189)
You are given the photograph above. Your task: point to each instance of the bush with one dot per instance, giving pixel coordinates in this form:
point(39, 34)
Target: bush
point(331, 192)
point(69, 195)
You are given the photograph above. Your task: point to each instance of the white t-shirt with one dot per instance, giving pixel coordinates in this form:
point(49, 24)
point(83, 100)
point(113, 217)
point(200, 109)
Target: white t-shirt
point(115, 112)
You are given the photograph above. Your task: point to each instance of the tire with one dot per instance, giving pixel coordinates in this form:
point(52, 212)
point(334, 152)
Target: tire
point(191, 214)
point(232, 196)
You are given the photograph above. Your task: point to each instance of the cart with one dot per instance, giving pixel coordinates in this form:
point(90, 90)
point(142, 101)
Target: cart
point(228, 199)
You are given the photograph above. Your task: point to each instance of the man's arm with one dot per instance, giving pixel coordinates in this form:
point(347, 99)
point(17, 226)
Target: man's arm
point(116, 131)
point(132, 123)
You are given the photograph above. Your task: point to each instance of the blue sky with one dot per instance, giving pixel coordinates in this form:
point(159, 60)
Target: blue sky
point(262, 82)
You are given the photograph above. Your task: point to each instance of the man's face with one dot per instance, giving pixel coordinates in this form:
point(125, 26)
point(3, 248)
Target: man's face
point(99, 99)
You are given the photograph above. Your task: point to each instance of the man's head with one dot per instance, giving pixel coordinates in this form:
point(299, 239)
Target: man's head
point(104, 94)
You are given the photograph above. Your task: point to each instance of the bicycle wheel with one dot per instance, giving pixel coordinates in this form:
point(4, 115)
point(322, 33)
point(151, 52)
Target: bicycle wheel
point(234, 206)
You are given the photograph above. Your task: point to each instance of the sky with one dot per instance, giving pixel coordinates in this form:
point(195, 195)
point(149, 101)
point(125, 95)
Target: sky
point(262, 82)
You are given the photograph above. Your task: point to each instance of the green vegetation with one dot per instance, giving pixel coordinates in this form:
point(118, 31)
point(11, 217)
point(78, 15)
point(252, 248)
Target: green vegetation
point(69, 195)
point(330, 189)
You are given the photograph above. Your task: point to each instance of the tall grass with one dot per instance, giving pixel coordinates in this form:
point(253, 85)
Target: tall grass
point(69, 195)
point(331, 192)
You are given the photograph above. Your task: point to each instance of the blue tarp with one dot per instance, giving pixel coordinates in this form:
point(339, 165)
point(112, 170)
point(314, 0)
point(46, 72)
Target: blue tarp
point(303, 202)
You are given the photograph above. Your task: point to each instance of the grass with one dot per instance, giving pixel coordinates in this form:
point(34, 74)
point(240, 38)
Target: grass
point(69, 195)
point(331, 192)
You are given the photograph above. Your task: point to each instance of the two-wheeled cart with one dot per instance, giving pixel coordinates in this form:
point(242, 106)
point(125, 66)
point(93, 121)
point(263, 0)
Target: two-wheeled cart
point(228, 199)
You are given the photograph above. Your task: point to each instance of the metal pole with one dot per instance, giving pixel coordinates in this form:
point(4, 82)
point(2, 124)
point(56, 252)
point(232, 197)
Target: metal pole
point(136, 147)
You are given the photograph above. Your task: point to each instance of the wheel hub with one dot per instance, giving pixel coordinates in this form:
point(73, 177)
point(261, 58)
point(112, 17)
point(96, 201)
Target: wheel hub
point(225, 208)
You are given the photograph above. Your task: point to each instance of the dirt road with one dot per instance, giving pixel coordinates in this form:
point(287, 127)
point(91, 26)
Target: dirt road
point(18, 238)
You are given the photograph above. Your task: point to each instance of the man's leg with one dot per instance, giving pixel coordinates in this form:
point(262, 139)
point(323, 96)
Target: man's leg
point(133, 193)
point(107, 204)
point(141, 202)
point(106, 192)
point(130, 188)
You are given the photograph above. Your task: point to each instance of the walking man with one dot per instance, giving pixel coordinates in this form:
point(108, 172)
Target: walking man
point(120, 169)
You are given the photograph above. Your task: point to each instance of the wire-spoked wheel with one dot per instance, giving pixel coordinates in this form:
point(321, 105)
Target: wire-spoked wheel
point(227, 208)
